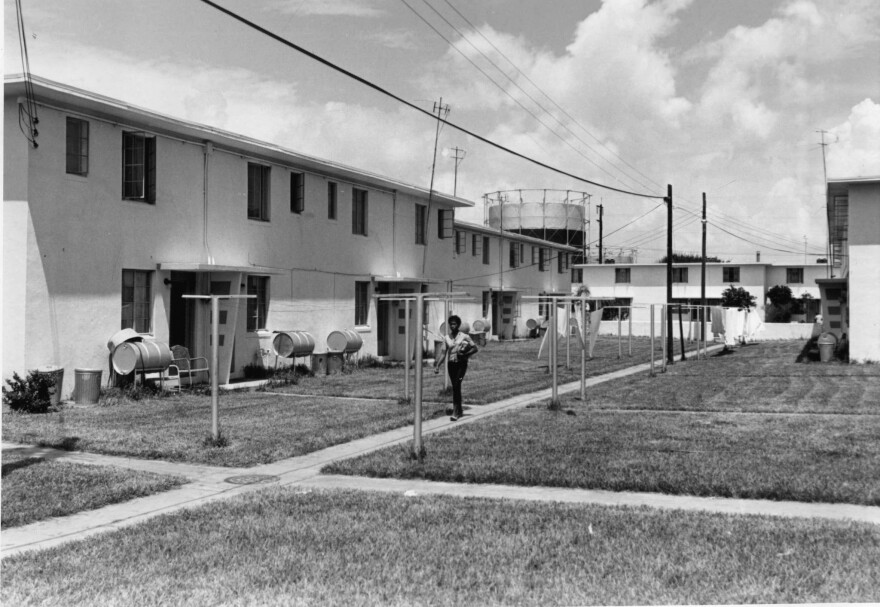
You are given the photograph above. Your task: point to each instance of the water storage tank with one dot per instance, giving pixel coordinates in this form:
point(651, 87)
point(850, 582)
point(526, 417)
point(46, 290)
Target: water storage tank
point(482, 325)
point(345, 341)
point(148, 356)
point(290, 344)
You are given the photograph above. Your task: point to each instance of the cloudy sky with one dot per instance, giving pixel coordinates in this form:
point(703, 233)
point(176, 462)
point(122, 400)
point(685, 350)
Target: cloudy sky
point(725, 97)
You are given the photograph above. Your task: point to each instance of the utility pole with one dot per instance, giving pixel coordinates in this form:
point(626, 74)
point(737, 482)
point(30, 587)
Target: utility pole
point(670, 355)
point(601, 251)
point(442, 111)
point(458, 155)
point(703, 280)
point(828, 260)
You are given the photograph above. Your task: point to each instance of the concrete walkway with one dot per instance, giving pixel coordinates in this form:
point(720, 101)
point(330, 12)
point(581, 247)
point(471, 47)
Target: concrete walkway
point(212, 483)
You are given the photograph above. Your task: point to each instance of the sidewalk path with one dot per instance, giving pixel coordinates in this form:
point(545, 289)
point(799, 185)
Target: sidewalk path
point(211, 483)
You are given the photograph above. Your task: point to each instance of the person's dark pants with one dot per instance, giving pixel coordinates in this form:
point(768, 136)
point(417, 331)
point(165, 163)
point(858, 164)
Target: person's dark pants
point(456, 375)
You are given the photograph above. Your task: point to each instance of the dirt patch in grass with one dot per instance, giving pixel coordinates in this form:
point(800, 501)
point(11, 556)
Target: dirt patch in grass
point(282, 546)
point(35, 489)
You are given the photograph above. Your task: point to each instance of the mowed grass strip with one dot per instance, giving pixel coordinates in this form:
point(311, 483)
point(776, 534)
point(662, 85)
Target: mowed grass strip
point(265, 427)
point(35, 489)
point(676, 448)
point(759, 378)
point(500, 370)
point(257, 427)
point(281, 547)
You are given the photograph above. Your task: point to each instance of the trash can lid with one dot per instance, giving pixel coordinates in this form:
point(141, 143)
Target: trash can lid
point(827, 338)
point(78, 370)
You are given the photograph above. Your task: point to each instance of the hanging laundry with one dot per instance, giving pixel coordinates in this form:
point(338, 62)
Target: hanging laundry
point(595, 319)
point(718, 320)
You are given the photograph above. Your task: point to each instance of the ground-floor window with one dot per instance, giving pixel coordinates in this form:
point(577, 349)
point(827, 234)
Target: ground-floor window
point(694, 313)
point(361, 303)
point(613, 313)
point(137, 300)
point(258, 307)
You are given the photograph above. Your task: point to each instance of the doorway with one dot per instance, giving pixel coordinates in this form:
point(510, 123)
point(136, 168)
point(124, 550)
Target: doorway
point(181, 320)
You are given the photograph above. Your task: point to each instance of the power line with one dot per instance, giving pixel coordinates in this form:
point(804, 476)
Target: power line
point(559, 107)
point(515, 84)
point(387, 93)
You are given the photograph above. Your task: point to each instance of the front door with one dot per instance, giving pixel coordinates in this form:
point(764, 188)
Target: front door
point(181, 321)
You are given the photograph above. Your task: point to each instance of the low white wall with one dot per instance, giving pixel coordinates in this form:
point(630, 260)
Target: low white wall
point(771, 331)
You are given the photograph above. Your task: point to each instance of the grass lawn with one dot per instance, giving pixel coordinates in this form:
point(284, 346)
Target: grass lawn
point(700, 429)
point(259, 428)
point(35, 489)
point(501, 369)
point(266, 427)
point(283, 547)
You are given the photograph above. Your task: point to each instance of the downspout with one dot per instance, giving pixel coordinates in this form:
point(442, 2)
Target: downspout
point(394, 232)
point(209, 150)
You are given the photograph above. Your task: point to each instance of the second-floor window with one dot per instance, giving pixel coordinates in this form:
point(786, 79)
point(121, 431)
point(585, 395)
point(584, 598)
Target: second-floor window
point(730, 274)
point(794, 276)
point(331, 200)
point(542, 259)
point(476, 245)
point(561, 262)
point(460, 242)
point(359, 211)
point(516, 254)
point(297, 192)
point(577, 275)
point(421, 223)
point(486, 250)
point(138, 167)
point(77, 146)
point(622, 275)
point(444, 223)
point(258, 192)
point(679, 274)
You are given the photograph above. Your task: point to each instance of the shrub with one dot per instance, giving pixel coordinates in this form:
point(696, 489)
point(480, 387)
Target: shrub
point(737, 297)
point(132, 392)
point(29, 395)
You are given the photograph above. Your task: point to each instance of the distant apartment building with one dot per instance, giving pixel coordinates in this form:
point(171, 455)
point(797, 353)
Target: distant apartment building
point(851, 296)
point(640, 285)
point(120, 212)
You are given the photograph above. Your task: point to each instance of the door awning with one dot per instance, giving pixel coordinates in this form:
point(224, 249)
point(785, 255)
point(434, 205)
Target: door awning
point(188, 266)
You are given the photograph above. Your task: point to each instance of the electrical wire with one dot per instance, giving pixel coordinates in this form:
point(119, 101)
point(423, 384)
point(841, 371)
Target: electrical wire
point(399, 99)
point(559, 107)
point(27, 114)
point(515, 84)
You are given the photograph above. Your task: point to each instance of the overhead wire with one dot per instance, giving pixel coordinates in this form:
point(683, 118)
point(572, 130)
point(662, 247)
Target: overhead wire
point(399, 99)
point(27, 114)
point(559, 107)
point(515, 84)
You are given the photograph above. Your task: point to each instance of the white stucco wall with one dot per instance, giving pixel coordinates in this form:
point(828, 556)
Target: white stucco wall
point(864, 272)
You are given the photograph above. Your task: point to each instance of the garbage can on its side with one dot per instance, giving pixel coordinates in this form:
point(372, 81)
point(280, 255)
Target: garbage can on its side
point(827, 342)
point(57, 373)
point(87, 386)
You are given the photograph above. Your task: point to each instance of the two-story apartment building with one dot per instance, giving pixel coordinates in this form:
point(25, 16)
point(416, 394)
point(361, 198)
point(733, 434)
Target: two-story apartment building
point(119, 212)
point(640, 285)
point(851, 296)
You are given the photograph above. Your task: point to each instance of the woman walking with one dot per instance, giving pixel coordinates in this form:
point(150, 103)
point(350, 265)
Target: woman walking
point(457, 347)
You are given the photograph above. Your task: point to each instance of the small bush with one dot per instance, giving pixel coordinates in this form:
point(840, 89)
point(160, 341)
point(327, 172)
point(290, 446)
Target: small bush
point(29, 395)
point(132, 392)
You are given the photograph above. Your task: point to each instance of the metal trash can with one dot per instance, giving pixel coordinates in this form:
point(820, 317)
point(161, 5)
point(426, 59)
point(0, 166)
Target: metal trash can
point(57, 373)
point(827, 342)
point(87, 386)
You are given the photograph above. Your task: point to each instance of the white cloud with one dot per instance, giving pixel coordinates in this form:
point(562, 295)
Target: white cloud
point(855, 149)
point(350, 8)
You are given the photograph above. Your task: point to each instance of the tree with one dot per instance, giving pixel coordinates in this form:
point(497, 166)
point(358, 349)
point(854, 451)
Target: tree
point(737, 297)
point(690, 258)
point(779, 296)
